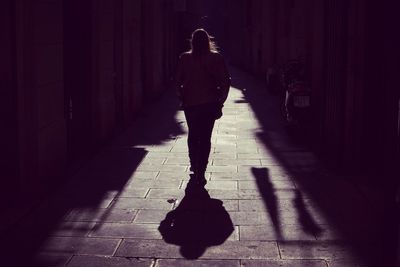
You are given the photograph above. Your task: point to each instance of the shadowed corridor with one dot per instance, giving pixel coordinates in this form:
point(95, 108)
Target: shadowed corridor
point(284, 206)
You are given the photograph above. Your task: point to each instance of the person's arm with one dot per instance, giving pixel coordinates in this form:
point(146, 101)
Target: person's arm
point(225, 79)
point(178, 78)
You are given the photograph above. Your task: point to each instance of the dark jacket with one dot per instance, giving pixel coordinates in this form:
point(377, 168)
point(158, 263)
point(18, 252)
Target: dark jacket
point(202, 79)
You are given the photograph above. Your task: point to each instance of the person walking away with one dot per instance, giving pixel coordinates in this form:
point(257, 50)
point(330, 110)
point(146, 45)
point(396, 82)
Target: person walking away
point(202, 80)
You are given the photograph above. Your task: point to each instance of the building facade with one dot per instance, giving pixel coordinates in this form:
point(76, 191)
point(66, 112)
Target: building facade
point(349, 49)
point(74, 73)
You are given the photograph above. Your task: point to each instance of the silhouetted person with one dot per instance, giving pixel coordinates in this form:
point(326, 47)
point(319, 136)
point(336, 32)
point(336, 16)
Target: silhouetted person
point(202, 81)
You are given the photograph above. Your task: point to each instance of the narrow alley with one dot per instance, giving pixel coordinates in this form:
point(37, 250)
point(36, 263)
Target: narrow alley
point(285, 208)
point(304, 163)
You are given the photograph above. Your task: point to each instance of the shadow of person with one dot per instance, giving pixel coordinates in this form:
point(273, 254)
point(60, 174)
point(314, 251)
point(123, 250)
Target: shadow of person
point(305, 218)
point(197, 223)
point(267, 191)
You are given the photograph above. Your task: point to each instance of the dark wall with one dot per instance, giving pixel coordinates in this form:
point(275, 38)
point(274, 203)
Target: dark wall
point(73, 74)
point(350, 51)
point(380, 92)
point(77, 75)
point(335, 61)
point(33, 126)
point(8, 102)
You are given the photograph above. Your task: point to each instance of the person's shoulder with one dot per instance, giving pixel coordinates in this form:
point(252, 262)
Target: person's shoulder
point(217, 57)
point(185, 55)
point(216, 54)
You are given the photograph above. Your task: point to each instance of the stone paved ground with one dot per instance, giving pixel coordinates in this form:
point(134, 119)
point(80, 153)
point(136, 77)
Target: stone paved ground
point(285, 209)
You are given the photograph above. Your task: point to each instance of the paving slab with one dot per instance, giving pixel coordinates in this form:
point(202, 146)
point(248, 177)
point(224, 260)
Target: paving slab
point(228, 250)
point(274, 232)
point(315, 250)
point(352, 263)
point(224, 169)
point(97, 261)
point(197, 263)
point(177, 161)
point(168, 175)
point(153, 161)
point(141, 185)
point(100, 215)
point(254, 156)
point(250, 194)
point(150, 216)
point(50, 260)
point(140, 203)
point(81, 245)
point(123, 230)
point(250, 218)
point(73, 229)
point(162, 167)
point(284, 263)
point(144, 174)
point(140, 192)
point(231, 176)
point(223, 155)
point(166, 155)
point(222, 185)
point(261, 185)
point(230, 204)
point(233, 162)
point(147, 249)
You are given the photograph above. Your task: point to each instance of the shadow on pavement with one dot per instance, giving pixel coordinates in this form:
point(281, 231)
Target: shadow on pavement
point(267, 191)
point(90, 190)
point(339, 200)
point(197, 223)
point(305, 218)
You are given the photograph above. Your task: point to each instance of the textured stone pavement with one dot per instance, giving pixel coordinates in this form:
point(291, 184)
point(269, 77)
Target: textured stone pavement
point(285, 209)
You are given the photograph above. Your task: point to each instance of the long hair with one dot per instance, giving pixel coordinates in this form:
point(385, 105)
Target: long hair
point(201, 43)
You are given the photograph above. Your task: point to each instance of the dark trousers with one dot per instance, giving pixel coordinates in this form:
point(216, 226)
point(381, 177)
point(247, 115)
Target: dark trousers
point(200, 120)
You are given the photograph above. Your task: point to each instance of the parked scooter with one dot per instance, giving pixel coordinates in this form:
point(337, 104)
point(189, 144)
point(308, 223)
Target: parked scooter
point(297, 102)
